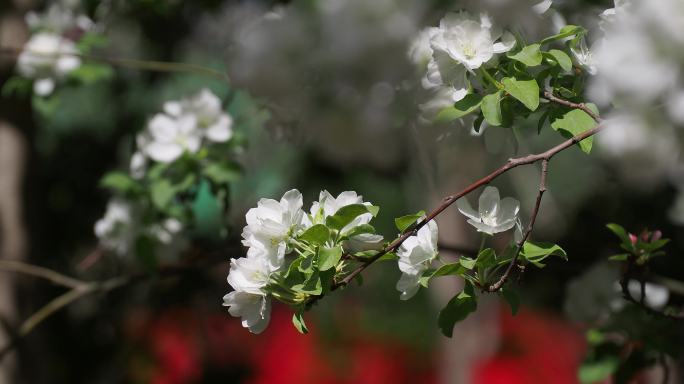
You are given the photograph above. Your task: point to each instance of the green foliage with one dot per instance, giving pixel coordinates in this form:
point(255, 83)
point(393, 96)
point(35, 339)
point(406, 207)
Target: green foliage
point(512, 298)
point(525, 91)
point(469, 104)
point(530, 55)
point(328, 257)
point(572, 124)
point(347, 214)
point(562, 59)
point(536, 253)
point(298, 321)
point(491, 108)
point(404, 222)
point(457, 309)
point(316, 235)
point(119, 182)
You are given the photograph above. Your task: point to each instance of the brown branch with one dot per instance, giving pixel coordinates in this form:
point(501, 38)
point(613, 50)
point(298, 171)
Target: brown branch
point(545, 156)
point(146, 65)
point(41, 272)
point(533, 218)
point(581, 106)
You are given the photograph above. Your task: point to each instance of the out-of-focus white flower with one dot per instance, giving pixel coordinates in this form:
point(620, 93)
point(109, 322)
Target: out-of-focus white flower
point(59, 18)
point(609, 16)
point(442, 97)
point(420, 50)
point(47, 58)
point(206, 109)
point(675, 107)
point(542, 7)
point(254, 309)
point(584, 56)
point(167, 231)
point(470, 42)
point(415, 256)
point(170, 137)
point(116, 230)
point(138, 165)
point(270, 224)
point(494, 214)
point(656, 296)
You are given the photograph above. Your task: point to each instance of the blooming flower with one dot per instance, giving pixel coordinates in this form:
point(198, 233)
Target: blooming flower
point(270, 224)
point(585, 56)
point(254, 309)
point(495, 215)
point(205, 107)
point(47, 58)
point(327, 205)
point(169, 137)
point(470, 42)
point(415, 256)
point(420, 50)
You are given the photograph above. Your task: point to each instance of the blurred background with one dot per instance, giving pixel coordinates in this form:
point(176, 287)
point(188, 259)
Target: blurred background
point(328, 100)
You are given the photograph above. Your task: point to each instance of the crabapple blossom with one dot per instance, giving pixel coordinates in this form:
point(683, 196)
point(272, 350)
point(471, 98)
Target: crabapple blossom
point(494, 214)
point(169, 137)
point(116, 230)
point(415, 256)
point(206, 109)
point(254, 309)
point(47, 58)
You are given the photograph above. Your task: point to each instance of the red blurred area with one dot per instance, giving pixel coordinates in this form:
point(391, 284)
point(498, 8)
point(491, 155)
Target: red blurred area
point(180, 346)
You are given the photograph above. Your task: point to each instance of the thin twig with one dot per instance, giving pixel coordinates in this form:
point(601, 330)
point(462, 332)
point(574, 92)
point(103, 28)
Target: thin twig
point(581, 106)
point(43, 273)
point(146, 65)
point(533, 218)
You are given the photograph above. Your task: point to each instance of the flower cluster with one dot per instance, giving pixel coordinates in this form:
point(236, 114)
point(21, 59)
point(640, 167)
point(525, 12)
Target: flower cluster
point(459, 46)
point(415, 257)
point(182, 127)
point(51, 54)
point(334, 226)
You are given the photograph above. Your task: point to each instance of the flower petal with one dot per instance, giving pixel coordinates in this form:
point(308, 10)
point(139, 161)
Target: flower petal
point(506, 44)
point(466, 209)
point(489, 202)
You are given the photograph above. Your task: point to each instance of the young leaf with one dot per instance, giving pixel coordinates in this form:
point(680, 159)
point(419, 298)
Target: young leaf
point(525, 91)
point(619, 232)
point(529, 55)
point(406, 221)
point(486, 258)
point(347, 214)
point(567, 31)
point(161, 192)
point(359, 230)
point(457, 309)
point(535, 253)
point(463, 107)
point(512, 298)
point(328, 257)
point(467, 262)
point(562, 59)
point(572, 124)
point(318, 234)
point(491, 109)
point(298, 321)
point(222, 173)
point(620, 257)
point(119, 182)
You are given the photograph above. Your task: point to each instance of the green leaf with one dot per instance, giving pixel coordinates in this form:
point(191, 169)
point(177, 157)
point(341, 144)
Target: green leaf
point(512, 298)
point(359, 229)
point(389, 256)
point(525, 91)
point(328, 257)
point(598, 371)
point(18, 85)
point(620, 232)
point(298, 321)
point(567, 31)
point(491, 109)
point(562, 59)
point(457, 309)
point(347, 214)
point(467, 262)
point(535, 253)
point(620, 257)
point(529, 55)
point(404, 222)
point(572, 124)
point(318, 234)
point(463, 107)
point(161, 192)
point(119, 181)
point(89, 73)
point(222, 173)
point(486, 258)
point(453, 269)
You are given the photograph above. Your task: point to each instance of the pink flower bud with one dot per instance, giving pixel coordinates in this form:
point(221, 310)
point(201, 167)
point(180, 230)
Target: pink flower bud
point(656, 235)
point(632, 238)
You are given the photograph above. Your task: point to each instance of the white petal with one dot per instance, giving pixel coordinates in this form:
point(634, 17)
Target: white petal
point(221, 130)
point(163, 128)
point(541, 7)
point(489, 202)
point(408, 285)
point(173, 108)
point(506, 44)
point(466, 209)
point(43, 87)
point(508, 209)
point(163, 152)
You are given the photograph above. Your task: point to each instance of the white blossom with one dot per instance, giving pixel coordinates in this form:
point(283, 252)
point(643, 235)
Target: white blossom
point(255, 309)
point(116, 230)
point(470, 42)
point(59, 17)
point(494, 214)
point(249, 274)
point(415, 256)
point(327, 205)
point(206, 109)
point(46, 58)
point(138, 165)
point(169, 137)
point(270, 224)
point(420, 50)
point(584, 56)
